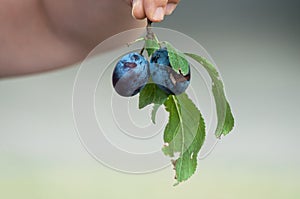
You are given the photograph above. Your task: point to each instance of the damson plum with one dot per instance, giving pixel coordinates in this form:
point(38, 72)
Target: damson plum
point(131, 74)
point(164, 76)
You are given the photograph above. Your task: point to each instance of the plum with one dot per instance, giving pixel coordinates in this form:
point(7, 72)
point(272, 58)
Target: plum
point(164, 76)
point(130, 74)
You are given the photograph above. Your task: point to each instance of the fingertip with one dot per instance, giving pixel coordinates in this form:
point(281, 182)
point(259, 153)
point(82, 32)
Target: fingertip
point(155, 9)
point(138, 15)
point(138, 9)
point(158, 15)
point(170, 8)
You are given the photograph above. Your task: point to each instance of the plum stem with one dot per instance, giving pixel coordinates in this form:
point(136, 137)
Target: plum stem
point(142, 51)
point(150, 34)
point(135, 41)
point(149, 23)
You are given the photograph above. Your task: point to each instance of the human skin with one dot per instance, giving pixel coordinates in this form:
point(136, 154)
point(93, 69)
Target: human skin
point(41, 35)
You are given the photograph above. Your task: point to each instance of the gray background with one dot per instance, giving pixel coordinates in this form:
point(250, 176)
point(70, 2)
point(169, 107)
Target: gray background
point(256, 45)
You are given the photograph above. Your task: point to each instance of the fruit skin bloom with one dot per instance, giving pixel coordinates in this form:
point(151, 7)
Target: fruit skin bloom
point(164, 76)
point(131, 74)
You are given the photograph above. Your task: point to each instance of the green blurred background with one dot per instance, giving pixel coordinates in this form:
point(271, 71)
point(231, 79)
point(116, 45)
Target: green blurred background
point(256, 45)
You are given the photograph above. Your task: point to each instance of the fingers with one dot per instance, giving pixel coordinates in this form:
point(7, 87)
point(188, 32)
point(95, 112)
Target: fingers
point(154, 10)
point(138, 9)
point(170, 8)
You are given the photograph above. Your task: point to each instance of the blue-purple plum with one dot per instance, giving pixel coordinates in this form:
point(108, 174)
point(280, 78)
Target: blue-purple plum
point(164, 76)
point(130, 74)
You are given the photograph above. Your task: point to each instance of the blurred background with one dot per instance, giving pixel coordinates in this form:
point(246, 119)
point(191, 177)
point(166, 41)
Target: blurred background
point(256, 46)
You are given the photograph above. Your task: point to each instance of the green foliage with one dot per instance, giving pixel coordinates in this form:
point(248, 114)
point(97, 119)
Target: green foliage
point(185, 131)
point(154, 111)
point(151, 94)
point(177, 60)
point(225, 117)
point(151, 45)
point(184, 134)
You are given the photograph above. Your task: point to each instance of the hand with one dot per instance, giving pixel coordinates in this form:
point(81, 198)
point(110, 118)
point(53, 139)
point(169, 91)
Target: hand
point(154, 10)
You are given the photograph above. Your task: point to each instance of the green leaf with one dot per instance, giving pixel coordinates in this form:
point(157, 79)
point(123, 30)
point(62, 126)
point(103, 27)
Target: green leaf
point(151, 94)
point(151, 45)
point(177, 60)
point(185, 167)
point(184, 134)
point(225, 117)
point(154, 111)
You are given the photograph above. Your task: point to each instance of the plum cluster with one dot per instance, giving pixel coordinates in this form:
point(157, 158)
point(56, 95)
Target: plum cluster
point(164, 76)
point(132, 72)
